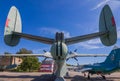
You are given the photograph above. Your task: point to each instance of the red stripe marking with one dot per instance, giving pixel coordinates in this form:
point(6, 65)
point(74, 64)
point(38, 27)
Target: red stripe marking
point(113, 21)
point(7, 22)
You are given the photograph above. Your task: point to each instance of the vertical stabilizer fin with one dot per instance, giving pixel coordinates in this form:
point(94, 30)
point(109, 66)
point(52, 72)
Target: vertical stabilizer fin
point(13, 24)
point(114, 57)
point(107, 23)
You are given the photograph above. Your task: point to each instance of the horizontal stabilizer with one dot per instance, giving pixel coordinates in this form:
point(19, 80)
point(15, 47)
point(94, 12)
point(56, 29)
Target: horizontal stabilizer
point(78, 39)
point(34, 38)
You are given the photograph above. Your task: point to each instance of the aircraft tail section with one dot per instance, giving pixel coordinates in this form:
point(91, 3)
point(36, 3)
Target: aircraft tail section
point(114, 57)
point(13, 29)
point(107, 30)
point(107, 23)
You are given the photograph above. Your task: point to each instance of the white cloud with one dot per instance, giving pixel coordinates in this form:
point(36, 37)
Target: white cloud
point(118, 33)
point(94, 41)
point(37, 50)
point(100, 4)
point(91, 44)
point(115, 4)
point(40, 50)
point(46, 30)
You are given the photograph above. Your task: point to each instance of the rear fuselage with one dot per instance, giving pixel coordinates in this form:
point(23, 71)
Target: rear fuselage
point(59, 53)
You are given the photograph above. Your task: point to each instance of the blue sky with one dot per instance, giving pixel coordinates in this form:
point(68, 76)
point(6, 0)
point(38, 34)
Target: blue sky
point(73, 17)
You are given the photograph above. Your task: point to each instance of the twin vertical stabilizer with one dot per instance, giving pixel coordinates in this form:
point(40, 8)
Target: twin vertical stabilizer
point(107, 23)
point(107, 30)
point(13, 23)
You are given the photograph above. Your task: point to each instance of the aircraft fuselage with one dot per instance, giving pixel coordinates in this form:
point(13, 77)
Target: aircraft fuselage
point(59, 49)
point(59, 52)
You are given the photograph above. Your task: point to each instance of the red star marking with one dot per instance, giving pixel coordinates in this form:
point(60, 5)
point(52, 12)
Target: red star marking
point(7, 22)
point(113, 21)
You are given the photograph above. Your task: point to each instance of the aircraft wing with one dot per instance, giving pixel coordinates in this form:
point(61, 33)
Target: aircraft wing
point(85, 70)
point(85, 55)
point(24, 55)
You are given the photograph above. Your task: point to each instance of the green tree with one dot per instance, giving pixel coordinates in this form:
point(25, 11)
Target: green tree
point(24, 51)
point(29, 63)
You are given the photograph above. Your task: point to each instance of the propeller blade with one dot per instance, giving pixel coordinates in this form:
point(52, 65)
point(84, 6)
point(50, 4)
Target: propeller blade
point(44, 51)
point(75, 58)
point(67, 59)
point(75, 50)
point(45, 59)
point(70, 52)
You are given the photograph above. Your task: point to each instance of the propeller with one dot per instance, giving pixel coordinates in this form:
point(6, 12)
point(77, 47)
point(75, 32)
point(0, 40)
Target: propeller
point(78, 64)
point(45, 57)
point(74, 52)
point(75, 59)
